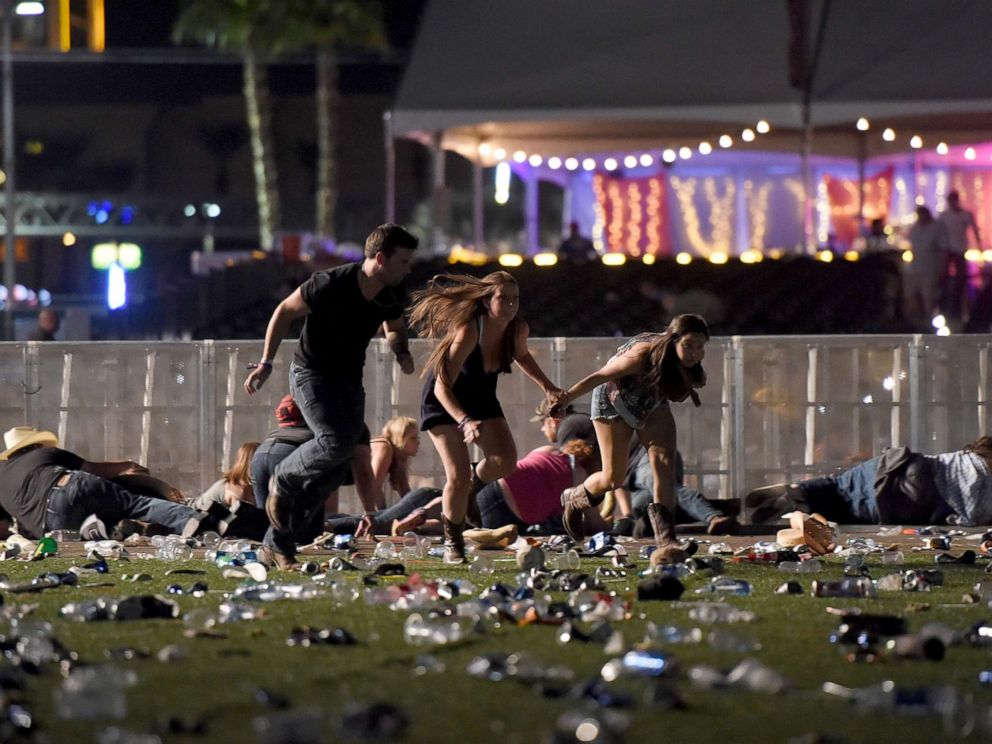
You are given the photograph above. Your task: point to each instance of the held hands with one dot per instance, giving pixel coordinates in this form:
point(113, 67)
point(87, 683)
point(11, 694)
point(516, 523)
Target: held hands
point(257, 378)
point(557, 401)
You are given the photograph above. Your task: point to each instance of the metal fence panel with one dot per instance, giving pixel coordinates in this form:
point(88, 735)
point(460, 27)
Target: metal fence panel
point(774, 408)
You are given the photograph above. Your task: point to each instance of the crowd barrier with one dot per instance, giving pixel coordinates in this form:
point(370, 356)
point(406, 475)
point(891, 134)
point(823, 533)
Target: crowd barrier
point(774, 408)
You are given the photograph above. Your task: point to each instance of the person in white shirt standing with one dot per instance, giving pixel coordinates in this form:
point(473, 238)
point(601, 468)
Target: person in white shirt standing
point(957, 220)
point(921, 277)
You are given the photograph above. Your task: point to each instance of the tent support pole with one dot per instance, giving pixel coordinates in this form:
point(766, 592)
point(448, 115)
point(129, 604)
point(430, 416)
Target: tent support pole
point(389, 145)
point(478, 215)
point(531, 213)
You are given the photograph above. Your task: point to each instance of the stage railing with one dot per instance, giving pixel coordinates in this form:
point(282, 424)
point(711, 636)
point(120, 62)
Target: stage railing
point(774, 409)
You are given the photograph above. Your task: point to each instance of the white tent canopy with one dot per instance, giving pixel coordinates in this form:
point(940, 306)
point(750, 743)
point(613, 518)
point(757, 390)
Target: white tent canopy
point(576, 76)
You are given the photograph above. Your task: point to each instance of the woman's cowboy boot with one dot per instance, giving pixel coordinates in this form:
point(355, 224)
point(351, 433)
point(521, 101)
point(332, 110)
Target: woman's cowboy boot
point(575, 500)
point(668, 550)
point(454, 541)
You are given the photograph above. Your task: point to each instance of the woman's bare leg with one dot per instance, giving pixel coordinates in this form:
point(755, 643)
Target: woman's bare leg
point(453, 451)
point(613, 437)
point(659, 439)
point(498, 449)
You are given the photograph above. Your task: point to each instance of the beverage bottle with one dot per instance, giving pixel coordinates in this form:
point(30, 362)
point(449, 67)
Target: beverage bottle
point(849, 587)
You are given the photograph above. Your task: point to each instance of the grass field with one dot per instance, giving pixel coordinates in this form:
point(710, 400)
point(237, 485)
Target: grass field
point(212, 692)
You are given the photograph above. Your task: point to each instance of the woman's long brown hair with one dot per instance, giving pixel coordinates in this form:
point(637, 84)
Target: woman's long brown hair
point(452, 300)
point(981, 447)
point(239, 474)
point(394, 432)
point(666, 375)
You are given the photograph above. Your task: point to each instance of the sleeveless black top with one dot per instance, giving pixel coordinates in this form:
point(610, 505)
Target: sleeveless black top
point(475, 389)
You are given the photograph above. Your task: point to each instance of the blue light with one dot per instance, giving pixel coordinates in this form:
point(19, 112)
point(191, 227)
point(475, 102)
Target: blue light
point(101, 216)
point(91, 209)
point(116, 287)
point(127, 214)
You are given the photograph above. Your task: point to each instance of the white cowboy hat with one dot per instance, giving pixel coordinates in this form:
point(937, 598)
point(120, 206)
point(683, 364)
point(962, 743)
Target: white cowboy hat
point(24, 436)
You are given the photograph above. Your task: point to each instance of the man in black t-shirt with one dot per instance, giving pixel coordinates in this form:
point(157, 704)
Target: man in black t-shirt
point(45, 488)
point(344, 308)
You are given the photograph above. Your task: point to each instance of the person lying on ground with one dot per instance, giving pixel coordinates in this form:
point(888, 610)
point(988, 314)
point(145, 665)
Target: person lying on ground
point(897, 487)
point(234, 486)
point(44, 488)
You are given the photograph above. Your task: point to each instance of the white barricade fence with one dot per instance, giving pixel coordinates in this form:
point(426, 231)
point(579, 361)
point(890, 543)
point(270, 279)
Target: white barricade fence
point(774, 408)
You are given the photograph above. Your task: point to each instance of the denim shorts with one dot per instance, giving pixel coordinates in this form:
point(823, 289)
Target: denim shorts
point(604, 409)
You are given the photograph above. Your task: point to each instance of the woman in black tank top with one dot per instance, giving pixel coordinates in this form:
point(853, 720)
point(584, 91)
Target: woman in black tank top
point(479, 335)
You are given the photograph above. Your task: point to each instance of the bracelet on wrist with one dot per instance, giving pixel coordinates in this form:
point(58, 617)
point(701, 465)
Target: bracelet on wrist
point(265, 363)
point(465, 419)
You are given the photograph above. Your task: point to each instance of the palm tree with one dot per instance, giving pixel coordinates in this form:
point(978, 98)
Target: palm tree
point(251, 28)
point(327, 27)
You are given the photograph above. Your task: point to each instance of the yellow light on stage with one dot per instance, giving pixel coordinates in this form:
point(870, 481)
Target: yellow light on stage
point(863, 124)
point(974, 255)
point(775, 254)
point(987, 254)
point(726, 141)
point(907, 256)
point(763, 127)
point(825, 256)
point(942, 148)
point(648, 258)
point(68, 239)
point(751, 256)
point(614, 259)
point(545, 259)
point(705, 148)
point(519, 156)
point(460, 254)
point(748, 135)
point(683, 259)
point(969, 153)
point(852, 255)
point(718, 257)
point(916, 142)
point(889, 134)
point(535, 160)
point(511, 260)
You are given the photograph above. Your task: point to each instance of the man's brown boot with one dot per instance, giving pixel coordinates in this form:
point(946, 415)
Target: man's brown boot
point(271, 559)
point(668, 550)
point(454, 541)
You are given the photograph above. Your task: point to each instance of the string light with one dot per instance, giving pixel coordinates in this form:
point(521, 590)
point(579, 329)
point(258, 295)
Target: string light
point(589, 164)
point(535, 160)
point(916, 142)
point(669, 156)
point(519, 156)
point(610, 164)
point(485, 148)
point(969, 153)
point(705, 148)
point(863, 124)
point(647, 160)
point(889, 134)
point(630, 161)
point(685, 153)
point(499, 153)
point(721, 210)
point(763, 127)
point(748, 135)
point(757, 207)
point(571, 164)
point(554, 163)
point(942, 148)
point(726, 141)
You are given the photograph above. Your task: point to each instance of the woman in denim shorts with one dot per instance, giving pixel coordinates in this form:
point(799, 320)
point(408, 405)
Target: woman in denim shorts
point(631, 393)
